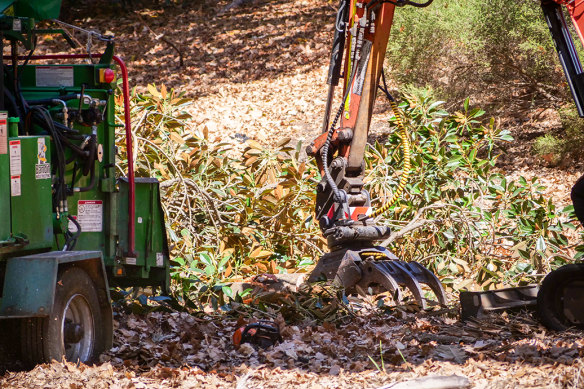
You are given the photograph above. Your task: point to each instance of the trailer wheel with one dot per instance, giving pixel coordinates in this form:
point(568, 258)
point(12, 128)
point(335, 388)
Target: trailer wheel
point(560, 298)
point(75, 328)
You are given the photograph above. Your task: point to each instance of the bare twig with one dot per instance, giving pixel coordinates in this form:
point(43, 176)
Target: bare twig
point(162, 38)
point(414, 224)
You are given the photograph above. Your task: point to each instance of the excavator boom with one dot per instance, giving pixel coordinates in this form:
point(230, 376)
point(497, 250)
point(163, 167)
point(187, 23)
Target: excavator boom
point(343, 208)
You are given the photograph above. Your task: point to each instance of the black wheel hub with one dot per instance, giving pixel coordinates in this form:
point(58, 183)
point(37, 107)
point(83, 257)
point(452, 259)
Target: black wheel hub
point(73, 332)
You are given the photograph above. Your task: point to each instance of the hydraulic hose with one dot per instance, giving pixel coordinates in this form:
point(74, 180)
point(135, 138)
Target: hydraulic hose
point(405, 145)
point(325, 150)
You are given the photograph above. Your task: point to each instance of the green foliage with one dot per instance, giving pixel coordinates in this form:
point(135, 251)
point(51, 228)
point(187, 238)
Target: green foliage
point(229, 214)
point(467, 221)
point(232, 214)
point(550, 147)
point(464, 47)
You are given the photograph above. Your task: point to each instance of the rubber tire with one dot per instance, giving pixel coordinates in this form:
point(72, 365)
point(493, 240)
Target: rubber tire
point(549, 302)
point(41, 338)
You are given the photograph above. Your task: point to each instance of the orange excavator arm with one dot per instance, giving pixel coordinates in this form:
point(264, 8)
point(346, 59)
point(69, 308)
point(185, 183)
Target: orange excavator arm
point(362, 31)
point(342, 204)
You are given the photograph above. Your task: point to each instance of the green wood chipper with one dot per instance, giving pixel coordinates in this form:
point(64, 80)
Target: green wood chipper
point(71, 226)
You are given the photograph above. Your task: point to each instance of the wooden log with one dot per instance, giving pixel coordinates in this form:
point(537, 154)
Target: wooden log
point(432, 382)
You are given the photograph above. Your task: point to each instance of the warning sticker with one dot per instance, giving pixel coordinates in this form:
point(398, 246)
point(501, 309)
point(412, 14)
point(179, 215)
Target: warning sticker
point(3, 133)
point(54, 76)
point(41, 150)
point(15, 186)
point(159, 259)
point(42, 171)
point(90, 215)
point(15, 159)
point(130, 261)
point(42, 168)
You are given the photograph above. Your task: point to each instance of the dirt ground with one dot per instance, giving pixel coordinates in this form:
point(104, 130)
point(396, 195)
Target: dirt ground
point(258, 72)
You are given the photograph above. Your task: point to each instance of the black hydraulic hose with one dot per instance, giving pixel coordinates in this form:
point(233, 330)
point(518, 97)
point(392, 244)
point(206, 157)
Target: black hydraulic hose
point(30, 53)
point(76, 149)
point(384, 88)
point(338, 44)
point(403, 3)
point(418, 5)
point(92, 155)
point(19, 104)
point(325, 149)
point(327, 143)
point(43, 115)
point(69, 132)
point(372, 3)
point(92, 181)
point(71, 240)
point(15, 112)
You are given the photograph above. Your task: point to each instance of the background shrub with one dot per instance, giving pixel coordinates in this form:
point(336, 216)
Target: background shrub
point(495, 51)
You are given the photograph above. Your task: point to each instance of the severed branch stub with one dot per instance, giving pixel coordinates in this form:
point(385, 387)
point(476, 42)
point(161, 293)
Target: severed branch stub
point(414, 224)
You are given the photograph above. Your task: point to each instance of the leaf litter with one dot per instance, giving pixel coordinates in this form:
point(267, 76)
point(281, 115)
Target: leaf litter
point(178, 349)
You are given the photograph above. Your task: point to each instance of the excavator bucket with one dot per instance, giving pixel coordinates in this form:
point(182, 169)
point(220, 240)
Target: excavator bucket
point(374, 271)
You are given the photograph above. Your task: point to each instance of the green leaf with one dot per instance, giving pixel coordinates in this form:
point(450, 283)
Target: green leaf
point(227, 291)
point(179, 260)
point(205, 258)
point(540, 244)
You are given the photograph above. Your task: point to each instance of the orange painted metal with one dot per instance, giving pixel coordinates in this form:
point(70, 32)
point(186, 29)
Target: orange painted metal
point(576, 10)
point(361, 108)
point(357, 113)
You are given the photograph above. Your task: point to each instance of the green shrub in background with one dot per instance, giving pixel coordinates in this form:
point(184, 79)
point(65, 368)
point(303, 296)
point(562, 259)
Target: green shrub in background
point(555, 149)
point(494, 50)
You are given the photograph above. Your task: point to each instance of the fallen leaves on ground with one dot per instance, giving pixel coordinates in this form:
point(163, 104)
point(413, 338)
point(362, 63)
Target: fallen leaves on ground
point(162, 349)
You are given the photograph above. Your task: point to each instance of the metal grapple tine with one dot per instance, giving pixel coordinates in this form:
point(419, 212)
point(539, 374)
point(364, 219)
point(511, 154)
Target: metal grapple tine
point(372, 273)
point(425, 276)
point(409, 281)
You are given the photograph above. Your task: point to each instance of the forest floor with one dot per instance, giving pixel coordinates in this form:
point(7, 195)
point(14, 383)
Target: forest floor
point(258, 72)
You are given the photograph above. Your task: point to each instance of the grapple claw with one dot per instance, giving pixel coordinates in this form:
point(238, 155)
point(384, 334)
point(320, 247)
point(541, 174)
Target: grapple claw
point(407, 279)
point(373, 271)
point(425, 276)
point(375, 275)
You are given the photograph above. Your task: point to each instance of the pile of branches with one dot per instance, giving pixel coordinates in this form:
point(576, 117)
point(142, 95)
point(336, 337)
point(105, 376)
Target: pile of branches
point(232, 214)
